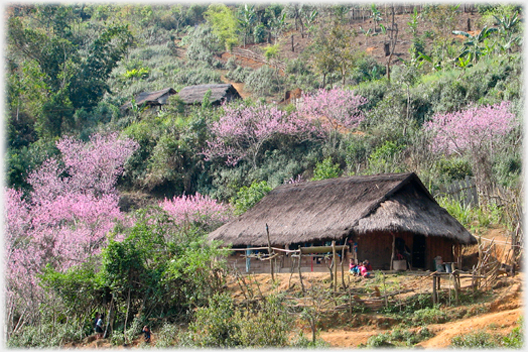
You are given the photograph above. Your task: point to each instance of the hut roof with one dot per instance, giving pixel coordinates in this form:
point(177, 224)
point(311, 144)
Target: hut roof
point(151, 98)
point(334, 208)
point(195, 94)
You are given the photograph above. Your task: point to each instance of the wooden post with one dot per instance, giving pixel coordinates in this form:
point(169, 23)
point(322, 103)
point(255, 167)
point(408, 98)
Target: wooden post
point(393, 247)
point(434, 289)
point(334, 258)
point(270, 253)
point(291, 270)
point(299, 267)
point(293, 48)
point(343, 263)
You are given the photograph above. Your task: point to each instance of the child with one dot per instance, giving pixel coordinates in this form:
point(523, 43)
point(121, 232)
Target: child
point(146, 331)
point(99, 326)
point(363, 270)
point(351, 265)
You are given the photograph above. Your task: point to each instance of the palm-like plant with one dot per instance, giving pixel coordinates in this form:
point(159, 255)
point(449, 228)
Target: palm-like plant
point(246, 18)
point(476, 45)
point(508, 27)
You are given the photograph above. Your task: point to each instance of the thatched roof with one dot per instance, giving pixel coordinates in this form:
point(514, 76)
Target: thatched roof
point(151, 98)
point(334, 208)
point(219, 93)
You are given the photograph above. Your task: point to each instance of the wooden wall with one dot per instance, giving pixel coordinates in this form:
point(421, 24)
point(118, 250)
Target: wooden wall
point(376, 247)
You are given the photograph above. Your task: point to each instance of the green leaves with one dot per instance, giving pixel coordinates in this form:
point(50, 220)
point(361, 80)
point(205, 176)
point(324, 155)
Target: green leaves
point(326, 169)
point(247, 197)
point(224, 24)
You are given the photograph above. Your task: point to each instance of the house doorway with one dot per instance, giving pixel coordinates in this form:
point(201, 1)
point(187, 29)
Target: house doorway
point(418, 251)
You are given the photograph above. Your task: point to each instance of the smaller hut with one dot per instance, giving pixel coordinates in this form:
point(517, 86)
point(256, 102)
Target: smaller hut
point(150, 99)
point(219, 93)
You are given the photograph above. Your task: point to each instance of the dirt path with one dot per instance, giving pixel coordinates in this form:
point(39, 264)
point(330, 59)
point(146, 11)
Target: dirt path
point(501, 322)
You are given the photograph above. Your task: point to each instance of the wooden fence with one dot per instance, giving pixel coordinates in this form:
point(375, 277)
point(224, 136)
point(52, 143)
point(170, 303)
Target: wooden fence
point(364, 12)
point(464, 191)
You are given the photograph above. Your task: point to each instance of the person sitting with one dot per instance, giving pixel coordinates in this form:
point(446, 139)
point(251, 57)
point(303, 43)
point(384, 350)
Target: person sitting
point(146, 331)
point(363, 270)
point(367, 265)
point(352, 266)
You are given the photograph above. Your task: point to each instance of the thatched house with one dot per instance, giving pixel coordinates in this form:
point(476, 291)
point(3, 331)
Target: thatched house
point(371, 211)
point(219, 93)
point(151, 99)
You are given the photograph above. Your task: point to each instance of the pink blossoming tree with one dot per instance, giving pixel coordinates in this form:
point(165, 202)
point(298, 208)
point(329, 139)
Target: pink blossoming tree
point(476, 131)
point(70, 210)
point(335, 108)
point(242, 131)
point(197, 209)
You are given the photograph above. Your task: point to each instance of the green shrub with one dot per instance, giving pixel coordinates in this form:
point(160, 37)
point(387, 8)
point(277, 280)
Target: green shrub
point(46, 335)
point(515, 339)
point(429, 316)
point(167, 336)
point(247, 197)
point(264, 81)
point(399, 338)
point(239, 74)
point(386, 158)
point(478, 339)
point(326, 169)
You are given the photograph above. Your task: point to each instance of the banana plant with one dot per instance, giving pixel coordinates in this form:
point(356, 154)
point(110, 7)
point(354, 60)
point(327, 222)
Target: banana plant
point(475, 46)
point(370, 33)
point(507, 30)
point(464, 63)
point(246, 18)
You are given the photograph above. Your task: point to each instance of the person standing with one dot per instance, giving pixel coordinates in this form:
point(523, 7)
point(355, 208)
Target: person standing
point(99, 326)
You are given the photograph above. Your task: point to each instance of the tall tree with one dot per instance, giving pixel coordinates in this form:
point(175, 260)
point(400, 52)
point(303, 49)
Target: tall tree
point(224, 23)
point(477, 131)
point(71, 70)
point(65, 220)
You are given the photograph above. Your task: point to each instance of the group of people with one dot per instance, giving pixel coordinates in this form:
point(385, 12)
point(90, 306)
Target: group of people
point(99, 331)
point(363, 268)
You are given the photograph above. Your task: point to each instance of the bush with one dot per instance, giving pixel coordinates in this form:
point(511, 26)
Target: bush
point(247, 197)
point(213, 325)
point(239, 74)
point(478, 339)
point(386, 158)
point(220, 325)
point(167, 336)
point(429, 316)
point(326, 169)
point(46, 335)
point(399, 338)
point(264, 81)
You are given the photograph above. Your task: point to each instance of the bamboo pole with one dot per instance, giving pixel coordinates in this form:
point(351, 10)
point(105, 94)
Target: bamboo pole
point(334, 252)
point(299, 267)
point(434, 289)
point(291, 269)
point(342, 264)
point(393, 246)
point(270, 252)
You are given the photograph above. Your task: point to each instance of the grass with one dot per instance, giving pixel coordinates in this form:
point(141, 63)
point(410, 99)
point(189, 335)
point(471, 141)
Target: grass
point(399, 337)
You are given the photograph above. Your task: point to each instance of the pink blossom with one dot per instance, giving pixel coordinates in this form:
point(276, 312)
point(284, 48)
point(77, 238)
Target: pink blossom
point(471, 129)
point(71, 210)
point(338, 107)
point(241, 131)
point(198, 209)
